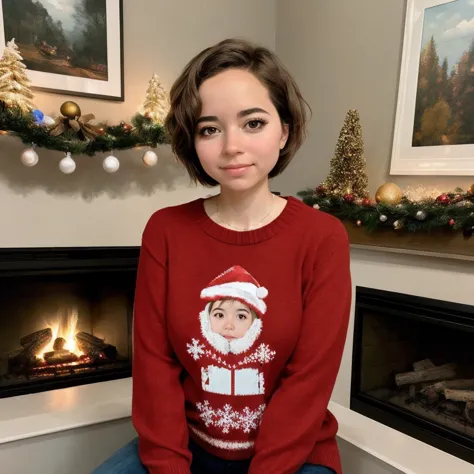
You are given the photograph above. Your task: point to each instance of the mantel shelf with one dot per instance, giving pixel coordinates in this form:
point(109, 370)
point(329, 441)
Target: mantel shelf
point(444, 244)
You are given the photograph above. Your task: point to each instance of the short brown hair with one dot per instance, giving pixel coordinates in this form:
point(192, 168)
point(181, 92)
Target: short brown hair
point(232, 54)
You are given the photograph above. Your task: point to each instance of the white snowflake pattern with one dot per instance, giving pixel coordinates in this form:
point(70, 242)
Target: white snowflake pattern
point(249, 419)
point(263, 355)
point(196, 350)
point(227, 418)
point(206, 413)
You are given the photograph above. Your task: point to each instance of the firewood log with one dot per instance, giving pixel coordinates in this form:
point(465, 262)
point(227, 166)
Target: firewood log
point(434, 392)
point(469, 412)
point(59, 343)
point(423, 365)
point(61, 356)
point(447, 371)
point(35, 342)
point(459, 395)
point(95, 347)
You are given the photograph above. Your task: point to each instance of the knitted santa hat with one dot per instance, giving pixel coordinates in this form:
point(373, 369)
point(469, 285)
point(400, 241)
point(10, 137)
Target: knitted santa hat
point(238, 284)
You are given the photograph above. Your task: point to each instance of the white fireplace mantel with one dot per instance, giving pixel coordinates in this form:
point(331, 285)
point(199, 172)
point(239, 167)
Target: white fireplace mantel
point(38, 414)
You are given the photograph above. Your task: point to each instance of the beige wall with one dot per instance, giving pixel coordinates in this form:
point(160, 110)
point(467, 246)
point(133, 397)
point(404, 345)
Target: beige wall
point(346, 54)
point(43, 207)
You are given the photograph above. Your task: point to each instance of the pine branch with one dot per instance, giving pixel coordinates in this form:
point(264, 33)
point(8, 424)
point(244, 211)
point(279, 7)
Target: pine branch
point(144, 132)
point(410, 216)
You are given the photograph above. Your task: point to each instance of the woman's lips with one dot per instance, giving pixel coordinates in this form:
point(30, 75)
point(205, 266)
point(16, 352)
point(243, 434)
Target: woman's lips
point(237, 170)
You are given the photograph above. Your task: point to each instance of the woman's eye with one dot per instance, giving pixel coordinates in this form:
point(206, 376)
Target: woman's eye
point(207, 131)
point(242, 317)
point(219, 315)
point(256, 124)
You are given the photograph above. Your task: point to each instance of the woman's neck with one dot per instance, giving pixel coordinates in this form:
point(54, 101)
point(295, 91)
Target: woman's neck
point(244, 210)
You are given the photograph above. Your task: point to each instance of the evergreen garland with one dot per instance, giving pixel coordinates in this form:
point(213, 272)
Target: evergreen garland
point(454, 211)
point(143, 131)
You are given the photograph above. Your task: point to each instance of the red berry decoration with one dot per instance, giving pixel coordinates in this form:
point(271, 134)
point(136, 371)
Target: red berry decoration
point(443, 199)
point(349, 198)
point(321, 190)
point(451, 222)
point(366, 202)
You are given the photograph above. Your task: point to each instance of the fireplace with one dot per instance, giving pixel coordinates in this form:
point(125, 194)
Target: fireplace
point(413, 367)
point(65, 317)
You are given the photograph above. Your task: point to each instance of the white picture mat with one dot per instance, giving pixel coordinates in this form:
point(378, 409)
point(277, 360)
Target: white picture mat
point(443, 160)
point(71, 84)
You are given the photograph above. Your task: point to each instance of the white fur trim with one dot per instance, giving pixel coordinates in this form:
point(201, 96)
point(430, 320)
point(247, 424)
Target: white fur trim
point(245, 291)
point(221, 344)
point(220, 443)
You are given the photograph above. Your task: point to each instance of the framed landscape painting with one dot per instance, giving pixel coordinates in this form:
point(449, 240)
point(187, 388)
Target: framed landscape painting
point(70, 47)
point(434, 126)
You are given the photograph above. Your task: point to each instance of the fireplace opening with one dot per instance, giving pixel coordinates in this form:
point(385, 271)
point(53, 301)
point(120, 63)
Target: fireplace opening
point(65, 317)
point(413, 367)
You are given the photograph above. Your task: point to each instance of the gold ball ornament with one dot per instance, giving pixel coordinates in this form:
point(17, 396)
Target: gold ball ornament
point(389, 193)
point(70, 110)
point(472, 188)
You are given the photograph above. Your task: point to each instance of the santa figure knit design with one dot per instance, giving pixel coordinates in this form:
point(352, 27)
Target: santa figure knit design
point(231, 360)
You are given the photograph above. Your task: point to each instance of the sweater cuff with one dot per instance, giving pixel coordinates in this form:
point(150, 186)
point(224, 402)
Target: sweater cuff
point(180, 467)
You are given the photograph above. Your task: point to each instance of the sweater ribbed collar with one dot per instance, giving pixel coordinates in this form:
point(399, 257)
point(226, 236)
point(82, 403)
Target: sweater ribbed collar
point(285, 219)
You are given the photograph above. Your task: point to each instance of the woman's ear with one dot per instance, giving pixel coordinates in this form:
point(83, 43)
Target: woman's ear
point(285, 131)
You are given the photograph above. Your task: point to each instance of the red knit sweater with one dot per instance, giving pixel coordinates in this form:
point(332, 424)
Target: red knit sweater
point(263, 392)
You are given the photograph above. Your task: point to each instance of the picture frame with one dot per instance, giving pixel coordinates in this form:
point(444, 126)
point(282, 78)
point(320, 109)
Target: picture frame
point(71, 47)
point(432, 133)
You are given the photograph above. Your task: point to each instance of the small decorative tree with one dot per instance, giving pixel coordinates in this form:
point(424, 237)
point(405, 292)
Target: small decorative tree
point(156, 103)
point(14, 82)
point(347, 175)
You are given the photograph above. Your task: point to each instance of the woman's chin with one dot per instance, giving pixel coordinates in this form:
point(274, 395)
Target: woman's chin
point(241, 184)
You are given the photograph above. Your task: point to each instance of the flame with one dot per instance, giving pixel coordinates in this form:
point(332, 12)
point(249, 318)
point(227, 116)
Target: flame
point(64, 326)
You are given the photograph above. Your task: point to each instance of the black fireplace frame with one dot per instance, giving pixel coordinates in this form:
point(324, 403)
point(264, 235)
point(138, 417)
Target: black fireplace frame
point(448, 314)
point(41, 261)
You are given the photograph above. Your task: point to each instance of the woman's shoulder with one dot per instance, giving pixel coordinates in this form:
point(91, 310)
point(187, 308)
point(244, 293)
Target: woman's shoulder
point(318, 222)
point(174, 216)
point(320, 232)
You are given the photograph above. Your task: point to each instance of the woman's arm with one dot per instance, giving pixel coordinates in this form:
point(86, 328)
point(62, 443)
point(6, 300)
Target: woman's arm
point(158, 411)
point(295, 414)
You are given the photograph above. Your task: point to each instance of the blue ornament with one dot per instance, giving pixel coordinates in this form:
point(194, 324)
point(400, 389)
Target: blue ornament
point(38, 116)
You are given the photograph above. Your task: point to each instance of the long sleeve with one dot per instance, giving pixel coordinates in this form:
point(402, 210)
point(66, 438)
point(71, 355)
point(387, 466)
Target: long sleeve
point(158, 408)
point(293, 420)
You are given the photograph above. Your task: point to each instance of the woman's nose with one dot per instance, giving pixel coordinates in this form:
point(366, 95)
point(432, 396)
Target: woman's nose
point(232, 143)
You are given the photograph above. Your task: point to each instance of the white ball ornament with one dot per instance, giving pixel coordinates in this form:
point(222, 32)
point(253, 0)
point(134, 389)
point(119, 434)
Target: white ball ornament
point(67, 165)
point(47, 120)
point(111, 164)
point(29, 157)
point(150, 158)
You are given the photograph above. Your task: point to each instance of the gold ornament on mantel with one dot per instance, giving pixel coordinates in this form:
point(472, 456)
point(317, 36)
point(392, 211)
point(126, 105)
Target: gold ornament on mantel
point(72, 119)
point(389, 193)
point(70, 110)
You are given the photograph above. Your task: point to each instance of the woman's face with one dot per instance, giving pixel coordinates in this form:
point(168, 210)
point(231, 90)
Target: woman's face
point(230, 318)
point(239, 133)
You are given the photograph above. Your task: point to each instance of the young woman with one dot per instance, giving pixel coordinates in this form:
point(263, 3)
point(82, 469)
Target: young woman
point(243, 385)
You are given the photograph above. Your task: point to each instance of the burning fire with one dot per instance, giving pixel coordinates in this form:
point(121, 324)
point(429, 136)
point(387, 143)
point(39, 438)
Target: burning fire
point(64, 327)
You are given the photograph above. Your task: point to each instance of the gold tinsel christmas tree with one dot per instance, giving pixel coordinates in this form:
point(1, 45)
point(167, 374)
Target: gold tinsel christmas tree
point(347, 175)
point(14, 83)
point(156, 103)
